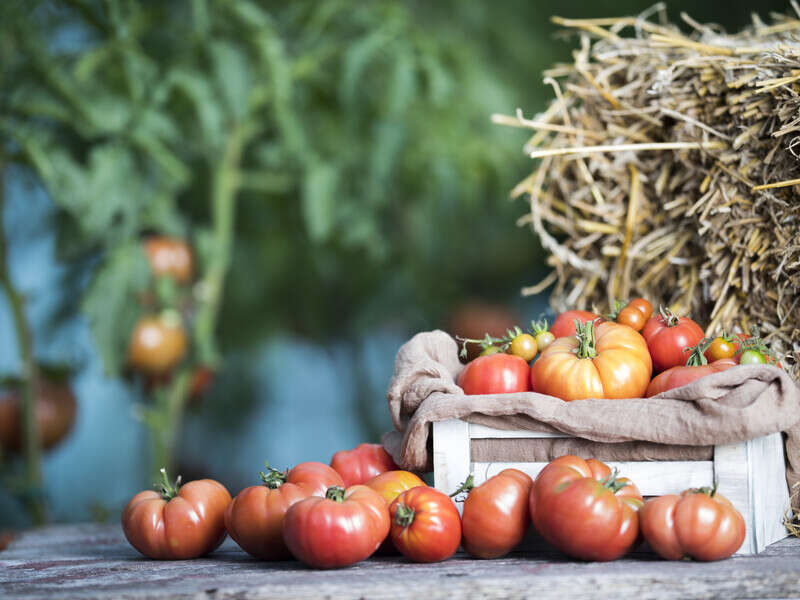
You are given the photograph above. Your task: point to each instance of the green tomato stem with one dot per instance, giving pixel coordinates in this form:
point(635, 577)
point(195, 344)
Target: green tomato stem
point(404, 516)
point(273, 478)
point(466, 487)
point(335, 493)
point(585, 334)
point(167, 489)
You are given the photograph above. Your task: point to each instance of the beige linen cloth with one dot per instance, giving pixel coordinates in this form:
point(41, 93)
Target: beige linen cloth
point(682, 424)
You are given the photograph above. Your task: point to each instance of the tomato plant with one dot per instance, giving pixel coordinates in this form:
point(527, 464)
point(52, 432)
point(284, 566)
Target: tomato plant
point(544, 337)
point(495, 374)
point(362, 463)
point(670, 339)
point(158, 344)
point(169, 257)
point(564, 325)
point(426, 526)
point(582, 508)
point(696, 367)
point(178, 521)
point(341, 529)
point(700, 523)
point(601, 361)
point(495, 516)
point(55, 408)
point(254, 518)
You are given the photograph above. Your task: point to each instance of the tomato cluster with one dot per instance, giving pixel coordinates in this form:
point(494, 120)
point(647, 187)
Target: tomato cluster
point(581, 507)
point(586, 355)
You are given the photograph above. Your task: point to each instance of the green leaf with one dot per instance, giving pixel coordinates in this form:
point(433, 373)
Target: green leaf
point(110, 303)
point(232, 73)
point(319, 200)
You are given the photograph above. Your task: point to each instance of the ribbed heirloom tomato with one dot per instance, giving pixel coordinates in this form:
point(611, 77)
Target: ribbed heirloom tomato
point(668, 337)
point(341, 529)
point(426, 526)
point(601, 361)
point(495, 374)
point(564, 325)
point(496, 514)
point(700, 523)
point(582, 508)
point(254, 518)
point(179, 521)
point(362, 463)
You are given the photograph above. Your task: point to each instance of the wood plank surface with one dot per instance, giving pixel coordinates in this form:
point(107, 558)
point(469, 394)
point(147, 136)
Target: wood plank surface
point(94, 561)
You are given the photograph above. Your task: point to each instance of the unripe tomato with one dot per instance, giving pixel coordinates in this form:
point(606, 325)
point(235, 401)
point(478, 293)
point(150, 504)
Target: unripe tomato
point(426, 526)
point(752, 357)
point(169, 257)
point(254, 518)
point(158, 343)
point(179, 522)
point(495, 374)
point(362, 463)
point(55, 415)
point(343, 528)
point(524, 346)
point(720, 348)
point(489, 350)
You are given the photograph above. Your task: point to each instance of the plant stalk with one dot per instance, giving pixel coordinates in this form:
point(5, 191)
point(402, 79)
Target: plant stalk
point(30, 431)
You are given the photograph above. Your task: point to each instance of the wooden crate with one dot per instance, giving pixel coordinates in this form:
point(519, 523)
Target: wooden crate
point(750, 474)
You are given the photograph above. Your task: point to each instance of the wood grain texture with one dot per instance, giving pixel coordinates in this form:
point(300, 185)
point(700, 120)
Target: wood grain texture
point(95, 562)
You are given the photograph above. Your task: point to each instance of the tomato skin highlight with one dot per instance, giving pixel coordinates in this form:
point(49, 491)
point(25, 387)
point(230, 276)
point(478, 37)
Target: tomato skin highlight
point(572, 509)
point(434, 531)
point(362, 463)
point(495, 374)
point(694, 524)
point(254, 518)
point(621, 368)
point(496, 514)
point(564, 325)
point(187, 526)
point(667, 343)
point(676, 377)
point(326, 533)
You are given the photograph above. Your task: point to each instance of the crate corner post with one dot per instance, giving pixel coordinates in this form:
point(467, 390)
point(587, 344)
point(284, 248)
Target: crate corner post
point(451, 454)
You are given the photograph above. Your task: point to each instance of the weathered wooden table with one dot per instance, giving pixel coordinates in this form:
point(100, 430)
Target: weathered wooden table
point(95, 561)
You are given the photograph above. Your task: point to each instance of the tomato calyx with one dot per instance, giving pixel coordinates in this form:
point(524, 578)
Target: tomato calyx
point(585, 334)
point(618, 306)
point(708, 491)
point(167, 489)
point(465, 488)
point(273, 478)
point(670, 318)
point(611, 482)
point(335, 493)
point(404, 515)
point(697, 356)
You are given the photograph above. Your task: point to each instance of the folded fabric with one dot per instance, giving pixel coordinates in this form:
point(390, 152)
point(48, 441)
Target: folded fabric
point(738, 404)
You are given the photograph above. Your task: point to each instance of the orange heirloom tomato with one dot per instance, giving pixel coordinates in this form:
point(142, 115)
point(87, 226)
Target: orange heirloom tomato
point(180, 521)
point(254, 518)
point(699, 523)
point(169, 257)
point(496, 514)
point(343, 528)
point(602, 361)
point(582, 508)
point(362, 463)
point(390, 485)
point(426, 526)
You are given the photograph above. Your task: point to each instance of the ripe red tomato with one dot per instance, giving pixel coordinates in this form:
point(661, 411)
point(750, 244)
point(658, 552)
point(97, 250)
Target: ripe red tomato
point(362, 463)
point(180, 521)
point(254, 518)
point(390, 485)
point(343, 528)
point(604, 361)
point(158, 343)
point(426, 526)
point(699, 523)
point(564, 325)
point(496, 515)
point(676, 377)
point(668, 338)
point(55, 415)
point(582, 508)
point(495, 374)
point(169, 257)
